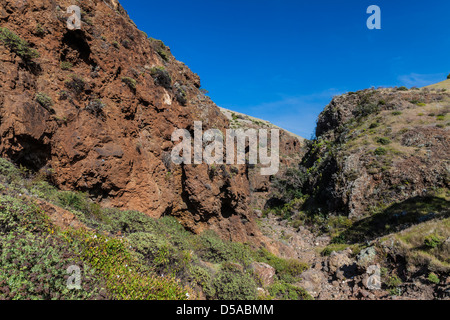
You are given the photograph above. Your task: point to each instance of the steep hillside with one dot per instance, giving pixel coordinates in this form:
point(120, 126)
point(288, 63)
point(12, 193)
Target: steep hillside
point(122, 254)
point(377, 147)
point(371, 193)
point(441, 85)
point(95, 109)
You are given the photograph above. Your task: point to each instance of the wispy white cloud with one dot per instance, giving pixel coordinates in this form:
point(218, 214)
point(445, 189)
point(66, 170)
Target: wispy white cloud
point(297, 114)
point(420, 80)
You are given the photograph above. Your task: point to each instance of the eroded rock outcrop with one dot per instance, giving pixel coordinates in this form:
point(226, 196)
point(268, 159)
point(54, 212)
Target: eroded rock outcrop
point(378, 147)
point(97, 109)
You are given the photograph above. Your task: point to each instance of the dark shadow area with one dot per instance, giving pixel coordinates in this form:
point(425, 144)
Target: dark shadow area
point(76, 40)
point(33, 155)
point(397, 217)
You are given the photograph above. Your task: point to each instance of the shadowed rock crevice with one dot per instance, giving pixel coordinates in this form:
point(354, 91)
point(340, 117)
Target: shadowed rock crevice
point(32, 153)
point(76, 41)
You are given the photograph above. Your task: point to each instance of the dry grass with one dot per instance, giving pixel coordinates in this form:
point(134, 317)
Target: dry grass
point(413, 240)
point(394, 126)
point(441, 85)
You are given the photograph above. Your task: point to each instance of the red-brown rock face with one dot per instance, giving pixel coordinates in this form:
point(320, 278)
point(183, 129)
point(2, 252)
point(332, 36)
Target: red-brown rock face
point(116, 97)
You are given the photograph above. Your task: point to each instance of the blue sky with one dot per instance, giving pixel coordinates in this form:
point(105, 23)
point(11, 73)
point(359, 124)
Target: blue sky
point(283, 60)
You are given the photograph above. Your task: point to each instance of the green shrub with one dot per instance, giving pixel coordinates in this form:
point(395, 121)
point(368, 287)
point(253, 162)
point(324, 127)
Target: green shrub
point(125, 277)
point(66, 65)
point(129, 222)
point(440, 117)
point(432, 241)
point(161, 77)
point(72, 200)
point(20, 47)
point(288, 269)
point(8, 171)
point(289, 185)
point(285, 291)
point(374, 125)
point(158, 251)
point(403, 88)
point(384, 141)
point(160, 48)
point(448, 77)
point(130, 82)
point(203, 278)
point(393, 281)
point(34, 266)
point(433, 278)
point(365, 109)
point(19, 215)
point(232, 284)
point(76, 84)
point(96, 107)
point(396, 113)
point(45, 101)
point(216, 250)
point(79, 202)
point(380, 151)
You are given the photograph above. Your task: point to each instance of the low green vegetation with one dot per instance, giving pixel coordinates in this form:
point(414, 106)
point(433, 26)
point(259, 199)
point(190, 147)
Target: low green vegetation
point(17, 45)
point(433, 278)
point(380, 151)
point(76, 84)
point(95, 107)
point(130, 82)
point(285, 291)
point(66, 65)
point(45, 101)
point(333, 247)
point(160, 48)
point(123, 254)
point(393, 283)
point(161, 77)
point(432, 241)
point(382, 140)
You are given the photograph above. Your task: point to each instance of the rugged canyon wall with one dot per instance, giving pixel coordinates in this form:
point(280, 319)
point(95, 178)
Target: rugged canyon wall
point(95, 109)
point(376, 147)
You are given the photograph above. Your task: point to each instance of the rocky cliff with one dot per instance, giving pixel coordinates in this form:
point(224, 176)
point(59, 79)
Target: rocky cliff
point(378, 147)
point(370, 198)
point(292, 148)
point(95, 109)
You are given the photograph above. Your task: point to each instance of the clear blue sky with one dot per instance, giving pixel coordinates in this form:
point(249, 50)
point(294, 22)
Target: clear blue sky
point(283, 60)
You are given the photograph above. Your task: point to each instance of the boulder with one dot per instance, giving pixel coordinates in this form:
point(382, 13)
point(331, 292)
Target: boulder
point(366, 257)
point(312, 281)
point(264, 272)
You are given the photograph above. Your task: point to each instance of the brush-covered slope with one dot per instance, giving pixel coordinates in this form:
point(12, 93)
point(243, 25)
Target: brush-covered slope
point(377, 147)
point(371, 191)
point(121, 254)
